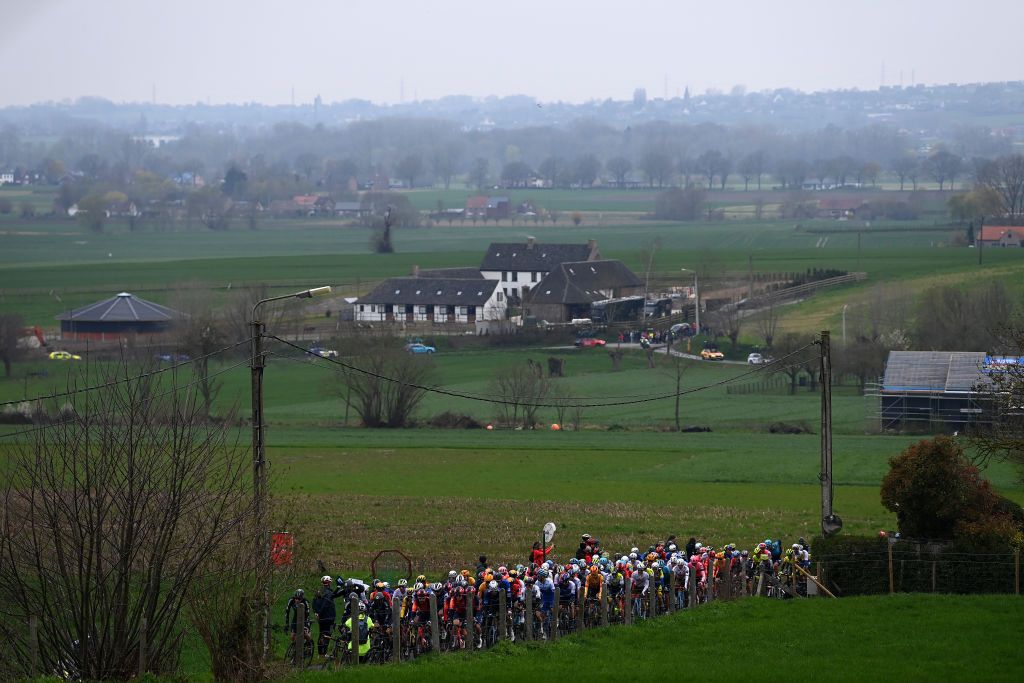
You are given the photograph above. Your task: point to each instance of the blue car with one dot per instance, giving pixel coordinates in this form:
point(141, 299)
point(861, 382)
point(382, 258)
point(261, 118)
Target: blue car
point(420, 348)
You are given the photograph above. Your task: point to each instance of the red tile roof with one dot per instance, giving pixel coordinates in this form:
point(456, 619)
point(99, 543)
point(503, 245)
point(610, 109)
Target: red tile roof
point(993, 233)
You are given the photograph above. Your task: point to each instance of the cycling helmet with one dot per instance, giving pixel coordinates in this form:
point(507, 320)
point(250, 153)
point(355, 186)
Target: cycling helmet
point(417, 586)
point(436, 587)
point(633, 556)
point(651, 557)
point(493, 585)
point(744, 553)
point(299, 593)
point(640, 565)
point(325, 579)
point(402, 583)
point(362, 607)
point(421, 593)
point(452, 574)
point(634, 550)
point(672, 547)
point(513, 573)
point(542, 574)
point(421, 579)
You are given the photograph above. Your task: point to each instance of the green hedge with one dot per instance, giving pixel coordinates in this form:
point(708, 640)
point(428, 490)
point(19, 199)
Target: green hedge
point(859, 565)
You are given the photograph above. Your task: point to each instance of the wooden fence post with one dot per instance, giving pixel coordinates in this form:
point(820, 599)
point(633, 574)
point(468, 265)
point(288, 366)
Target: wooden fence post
point(33, 644)
point(353, 611)
point(726, 582)
point(502, 616)
point(580, 608)
point(143, 643)
point(553, 623)
point(529, 614)
point(691, 587)
point(627, 600)
point(435, 624)
point(300, 635)
point(396, 630)
point(652, 597)
point(760, 583)
point(934, 571)
point(470, 620)
point(892, 584)
point(604, 605)
point(672, 592)
point(1016, 572)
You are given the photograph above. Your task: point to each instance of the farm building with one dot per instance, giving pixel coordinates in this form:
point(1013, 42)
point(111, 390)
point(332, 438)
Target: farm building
point(520, 266)
point(928, 390)
point(570, 289)
point(433, 300)
point(116, 318)
point(1001, 236)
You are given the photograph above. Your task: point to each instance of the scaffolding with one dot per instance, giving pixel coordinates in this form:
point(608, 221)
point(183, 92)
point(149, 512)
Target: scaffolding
point(929, 391)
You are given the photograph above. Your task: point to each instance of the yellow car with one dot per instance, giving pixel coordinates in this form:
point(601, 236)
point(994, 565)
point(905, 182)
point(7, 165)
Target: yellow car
point(712, 354)
point(64, 355)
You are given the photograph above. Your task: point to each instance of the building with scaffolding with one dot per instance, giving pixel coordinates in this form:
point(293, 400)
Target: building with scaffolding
point(935, 390)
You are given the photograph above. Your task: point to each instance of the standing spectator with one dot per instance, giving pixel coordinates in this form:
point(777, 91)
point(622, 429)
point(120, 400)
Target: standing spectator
point(323, 607)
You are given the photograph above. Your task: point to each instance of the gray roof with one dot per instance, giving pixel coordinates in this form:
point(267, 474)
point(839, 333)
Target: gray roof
point(934, 371)
point(124, 307)
point(441, 291)
point(538, 257)
point(582, 282)
point(452, 273)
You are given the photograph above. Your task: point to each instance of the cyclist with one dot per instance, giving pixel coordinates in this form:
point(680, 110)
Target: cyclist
point(323, 607)
point(364, 624)
point(291, 611)
point(380, 605)
point(546, 587)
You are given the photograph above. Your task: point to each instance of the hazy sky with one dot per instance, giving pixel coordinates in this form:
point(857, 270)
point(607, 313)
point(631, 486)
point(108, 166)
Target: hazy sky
point(251, 50)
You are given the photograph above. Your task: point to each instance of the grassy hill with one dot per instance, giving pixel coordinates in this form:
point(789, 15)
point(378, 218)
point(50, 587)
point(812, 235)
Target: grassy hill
point(905, 637)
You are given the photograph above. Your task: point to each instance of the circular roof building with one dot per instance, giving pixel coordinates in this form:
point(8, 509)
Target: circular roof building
point(115, 318)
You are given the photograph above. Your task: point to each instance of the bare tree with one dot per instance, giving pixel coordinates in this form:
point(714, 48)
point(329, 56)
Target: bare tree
point(107, 519)
point(520, 388)
point(792, 367)
point(1005, 176)
point(11, 325)
point(768, 322)
point(678, 366)
point(384, 383)
point(198, 333)
point(1002, 392)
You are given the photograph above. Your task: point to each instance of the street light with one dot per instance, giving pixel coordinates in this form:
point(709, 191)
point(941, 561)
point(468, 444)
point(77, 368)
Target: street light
point(259, 459)
point(696, 296)
point(845, 306)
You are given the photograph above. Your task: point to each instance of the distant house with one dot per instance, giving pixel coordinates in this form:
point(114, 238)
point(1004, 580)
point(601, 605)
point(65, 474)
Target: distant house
point(348, 209)
point(493, 208)
point(436, 300)
point(306, 203)
point(285, 208)
point(6, 177)
point(839, 208)
point(571, 288)
point(520, 266)
point(1001, 236)
point(324, 206)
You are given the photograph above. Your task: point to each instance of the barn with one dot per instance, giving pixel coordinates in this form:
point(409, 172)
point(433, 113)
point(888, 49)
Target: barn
point(116, 318)
point(936, 390)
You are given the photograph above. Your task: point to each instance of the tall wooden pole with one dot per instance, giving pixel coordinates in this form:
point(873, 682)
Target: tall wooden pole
point(826, 431)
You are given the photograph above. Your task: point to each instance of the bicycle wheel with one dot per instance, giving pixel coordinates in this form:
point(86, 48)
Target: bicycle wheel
point(289, 654)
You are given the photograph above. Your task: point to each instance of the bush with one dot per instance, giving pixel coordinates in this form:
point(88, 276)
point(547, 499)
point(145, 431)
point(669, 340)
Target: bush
point(450, 420)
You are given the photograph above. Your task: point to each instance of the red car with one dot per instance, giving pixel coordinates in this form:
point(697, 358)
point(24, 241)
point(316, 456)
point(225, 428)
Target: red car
point(587, 342)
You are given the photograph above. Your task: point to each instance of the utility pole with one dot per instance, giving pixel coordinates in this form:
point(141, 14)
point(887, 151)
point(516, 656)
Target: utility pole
point(830, 524)
point(259, 448)
point(977, 238)
point(750, 277)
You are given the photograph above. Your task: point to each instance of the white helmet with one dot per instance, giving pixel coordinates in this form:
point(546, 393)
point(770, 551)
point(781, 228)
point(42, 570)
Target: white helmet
point(325, 579)
point(633, 555)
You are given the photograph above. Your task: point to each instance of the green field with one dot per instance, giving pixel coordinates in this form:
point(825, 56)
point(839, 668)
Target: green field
point(905, 638)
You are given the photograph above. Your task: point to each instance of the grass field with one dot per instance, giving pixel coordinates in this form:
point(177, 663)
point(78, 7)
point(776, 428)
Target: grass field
point(905, 638)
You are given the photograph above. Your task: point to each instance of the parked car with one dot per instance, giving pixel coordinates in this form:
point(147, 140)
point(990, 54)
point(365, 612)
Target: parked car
point(755, 359)
point(64, 355)
point(589, 342)
point(323, 353)
point(419, 348)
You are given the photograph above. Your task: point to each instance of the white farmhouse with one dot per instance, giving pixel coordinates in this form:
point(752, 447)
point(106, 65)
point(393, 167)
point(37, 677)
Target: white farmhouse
point(520, 266)
point(430, 299)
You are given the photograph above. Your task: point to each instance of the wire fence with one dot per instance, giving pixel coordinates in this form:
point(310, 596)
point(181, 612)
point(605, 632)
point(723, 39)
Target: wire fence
point(906, 567)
